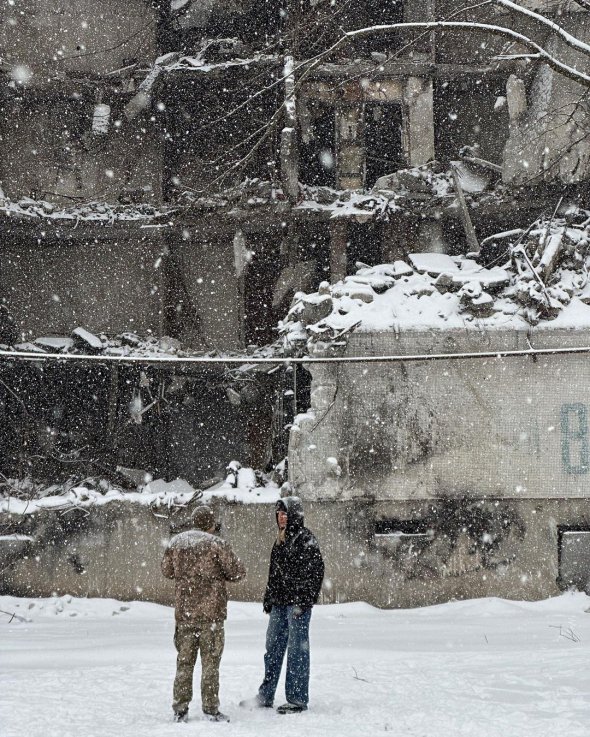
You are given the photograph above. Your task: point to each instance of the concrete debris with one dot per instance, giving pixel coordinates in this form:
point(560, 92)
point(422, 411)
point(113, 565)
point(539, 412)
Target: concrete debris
point(432, 263)
point(128, 344)
point(86, 340)
point(436, 291)
point(551, 253)
point(169, 345)
point(100, 212)
point(314, 308)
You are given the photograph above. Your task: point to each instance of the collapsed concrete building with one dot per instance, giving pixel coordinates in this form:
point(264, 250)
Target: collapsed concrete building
point(176, 174)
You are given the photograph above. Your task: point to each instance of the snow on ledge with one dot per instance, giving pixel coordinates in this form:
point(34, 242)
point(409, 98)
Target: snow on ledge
point(158, 494)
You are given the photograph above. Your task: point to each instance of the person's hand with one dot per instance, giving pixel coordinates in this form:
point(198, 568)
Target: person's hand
point(266, 607)
point(299, 610)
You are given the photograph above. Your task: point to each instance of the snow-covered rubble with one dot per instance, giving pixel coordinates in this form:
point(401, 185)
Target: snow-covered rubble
point(248, 488)
point(131, 345)
point(97, 212)
point(543, 281)
point(405, 190)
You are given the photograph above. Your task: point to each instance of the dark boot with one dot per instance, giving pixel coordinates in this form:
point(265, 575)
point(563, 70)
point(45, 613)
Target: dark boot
point(291, 708)
point(180, 716)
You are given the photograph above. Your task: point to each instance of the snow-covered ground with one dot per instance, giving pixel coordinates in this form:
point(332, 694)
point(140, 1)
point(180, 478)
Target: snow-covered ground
point(103, 668)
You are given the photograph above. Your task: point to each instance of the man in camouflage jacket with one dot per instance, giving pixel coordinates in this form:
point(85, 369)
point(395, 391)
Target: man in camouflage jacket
point(200, 564)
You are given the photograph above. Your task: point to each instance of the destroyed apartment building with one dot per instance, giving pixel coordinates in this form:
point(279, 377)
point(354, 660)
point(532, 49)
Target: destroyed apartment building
point(388, 178)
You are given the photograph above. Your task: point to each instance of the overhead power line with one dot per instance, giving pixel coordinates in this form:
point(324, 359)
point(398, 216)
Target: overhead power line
point(28, 357)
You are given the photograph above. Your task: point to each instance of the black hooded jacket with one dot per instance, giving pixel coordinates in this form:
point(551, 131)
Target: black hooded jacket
point(296, 566)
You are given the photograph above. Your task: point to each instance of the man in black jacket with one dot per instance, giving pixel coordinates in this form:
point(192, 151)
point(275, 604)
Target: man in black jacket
point(294, 582)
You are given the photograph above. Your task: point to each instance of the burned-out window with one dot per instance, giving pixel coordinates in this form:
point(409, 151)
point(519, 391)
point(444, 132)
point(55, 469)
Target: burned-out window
point(254, 23)
point(403, 526)
point(304, 263)
point(380, 13)
point(383, 140)
point(389, 533)
point(317, 155)
point(212, 124)
point(321, 22)
point(260, 318)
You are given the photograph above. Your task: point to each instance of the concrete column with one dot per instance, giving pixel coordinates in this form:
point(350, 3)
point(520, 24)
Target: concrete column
point(351, 155)
point(516, 98)
point(289, 153)
point(338, 241)
point(420, 128)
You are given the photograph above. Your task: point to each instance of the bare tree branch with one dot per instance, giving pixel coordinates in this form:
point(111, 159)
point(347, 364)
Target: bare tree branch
point(549, 59)
point(570, 40)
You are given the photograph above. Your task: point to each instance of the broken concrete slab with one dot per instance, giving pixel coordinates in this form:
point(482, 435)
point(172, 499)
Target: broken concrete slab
point(55, 343)
point(315, 308)
point(85, 339)
point(433, 263)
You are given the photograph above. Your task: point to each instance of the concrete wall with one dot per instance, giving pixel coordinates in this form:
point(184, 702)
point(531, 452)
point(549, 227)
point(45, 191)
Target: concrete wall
point(105, 286)
point(81, 36)
point(208, 269)
point(49, 152)
point(115, 551)
point(508, 428)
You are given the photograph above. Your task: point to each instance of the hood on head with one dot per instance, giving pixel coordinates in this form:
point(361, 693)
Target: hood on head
point(293, 506)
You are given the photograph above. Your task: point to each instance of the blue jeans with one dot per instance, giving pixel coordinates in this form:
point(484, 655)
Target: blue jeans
point(285, 630)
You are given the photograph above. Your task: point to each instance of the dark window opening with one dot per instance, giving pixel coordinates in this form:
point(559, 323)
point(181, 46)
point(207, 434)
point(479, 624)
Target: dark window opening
point(383, 141)
point(317, 246)
point(304, 264)
point(364, 245)
point(260, 318)
point(255, 26)
point(389, 533)
point(200, 153)
point(378, 13)
point(470, 114)
point(321, 23)
point(405, 526)
point(317, 160)
point(573, 551)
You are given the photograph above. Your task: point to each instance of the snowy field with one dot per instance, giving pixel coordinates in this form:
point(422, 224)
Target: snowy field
point(489, 667)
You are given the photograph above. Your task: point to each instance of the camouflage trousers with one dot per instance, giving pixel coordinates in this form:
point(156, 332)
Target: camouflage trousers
point(207, 638)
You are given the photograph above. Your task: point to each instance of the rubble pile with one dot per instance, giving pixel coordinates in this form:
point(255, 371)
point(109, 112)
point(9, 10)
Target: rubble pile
point(83, 342)
point(431, 184)
point(432, 179)
point(544, 279)
point(408, 189)
point(25, 497)
point(100, 212)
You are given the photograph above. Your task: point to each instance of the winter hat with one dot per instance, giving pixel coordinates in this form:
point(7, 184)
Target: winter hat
point(203, 518)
